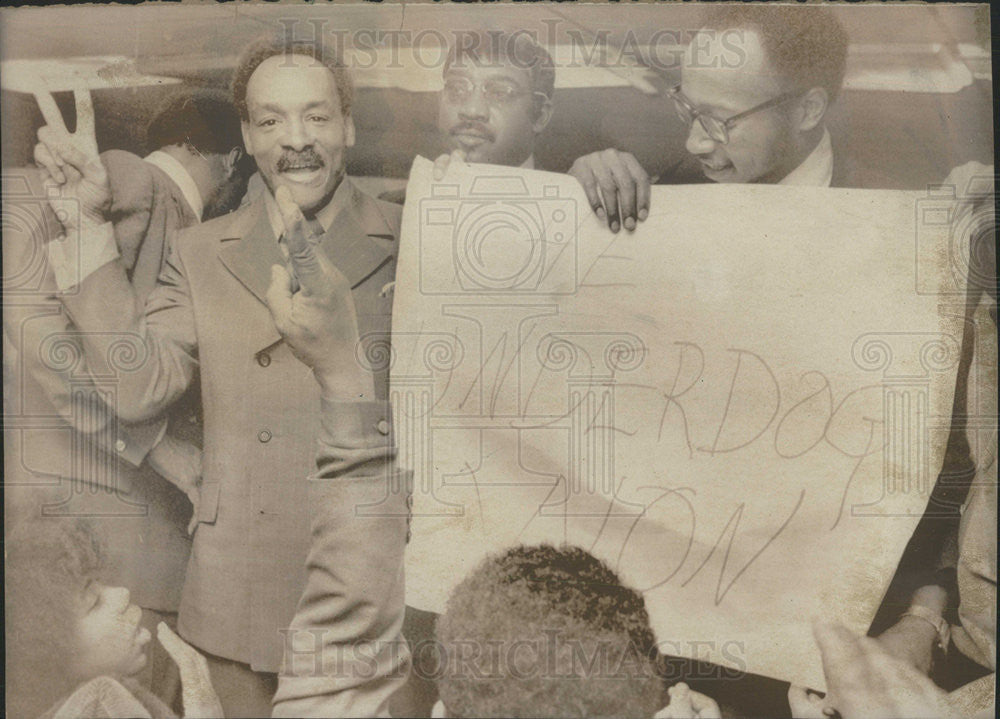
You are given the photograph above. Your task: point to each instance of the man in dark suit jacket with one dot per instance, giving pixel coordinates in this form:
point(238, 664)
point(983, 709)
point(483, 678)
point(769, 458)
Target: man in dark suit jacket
point(208, 314)
point(756, 84)
point(68, 455)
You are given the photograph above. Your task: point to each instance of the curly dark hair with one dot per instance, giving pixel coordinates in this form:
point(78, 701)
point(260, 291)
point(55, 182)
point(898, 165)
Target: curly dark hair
point(256, 53)
point(540, 631)
point(807, 46)
point(201, 117)
point(47, 567)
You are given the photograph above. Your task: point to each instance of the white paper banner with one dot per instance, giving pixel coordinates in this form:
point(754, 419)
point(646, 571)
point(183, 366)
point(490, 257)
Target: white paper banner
point(741, 406)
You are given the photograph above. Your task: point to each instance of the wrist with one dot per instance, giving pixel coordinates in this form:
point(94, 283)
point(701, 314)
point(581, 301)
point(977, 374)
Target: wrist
point(345, 385)
point(931, 597)
point(922, 620)
point(90, 219)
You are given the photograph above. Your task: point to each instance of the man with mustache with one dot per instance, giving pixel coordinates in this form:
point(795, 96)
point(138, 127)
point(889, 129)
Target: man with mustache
point(756, 86)
point(497, 97)
point(496, 101)
point(209, 313)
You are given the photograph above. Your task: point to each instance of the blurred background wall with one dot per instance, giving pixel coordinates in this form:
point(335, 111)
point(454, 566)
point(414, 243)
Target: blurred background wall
point(917, 99)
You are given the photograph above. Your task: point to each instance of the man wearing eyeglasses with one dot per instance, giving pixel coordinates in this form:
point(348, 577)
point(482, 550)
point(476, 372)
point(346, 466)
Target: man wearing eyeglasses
point(496, 101)
point(497, 97)
point(756, 84)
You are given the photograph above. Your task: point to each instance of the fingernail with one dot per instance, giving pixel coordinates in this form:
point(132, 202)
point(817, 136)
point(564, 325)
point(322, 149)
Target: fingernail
point(643, 213)
point(629, 223)
point(602, 214)
point(615, 226)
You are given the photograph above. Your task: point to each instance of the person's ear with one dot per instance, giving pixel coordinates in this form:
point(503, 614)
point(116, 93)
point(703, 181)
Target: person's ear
point(439, 712)
point(545, 109)
point(245, 131)
point(814, 105)
point(349, 131)
point(231, 162)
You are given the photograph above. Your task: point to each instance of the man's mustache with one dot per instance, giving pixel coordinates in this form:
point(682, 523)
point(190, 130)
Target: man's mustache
point(306, 158)
point(473, 128)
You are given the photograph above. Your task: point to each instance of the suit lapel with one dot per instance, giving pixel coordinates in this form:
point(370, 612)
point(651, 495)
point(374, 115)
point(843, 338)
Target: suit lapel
point(359, 240)
point(251, 257)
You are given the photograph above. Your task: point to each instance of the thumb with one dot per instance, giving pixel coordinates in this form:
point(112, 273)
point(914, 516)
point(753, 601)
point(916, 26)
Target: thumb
point(441, 166)
point(443, 162)
point(279, 294)
point(177, 648)
point(197, 693)
point(705, 706)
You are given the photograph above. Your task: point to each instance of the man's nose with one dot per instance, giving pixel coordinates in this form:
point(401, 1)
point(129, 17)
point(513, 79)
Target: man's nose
point(475, 107)
point(297, 136)
point(698, 141)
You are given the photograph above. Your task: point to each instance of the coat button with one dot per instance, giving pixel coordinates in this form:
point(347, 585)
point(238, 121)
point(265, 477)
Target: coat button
point(120, 445)
point(264, 436)
point(382, 427)
point(263, 359)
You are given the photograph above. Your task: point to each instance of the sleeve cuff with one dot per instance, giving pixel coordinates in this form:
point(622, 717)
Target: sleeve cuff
point(75, 256)
point(135, 441)
point(356, 424)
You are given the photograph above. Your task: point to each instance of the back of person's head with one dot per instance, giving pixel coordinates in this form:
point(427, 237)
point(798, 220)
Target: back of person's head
point(203, 119)
point(805, 46)
point(48, 564)
point(496, 47)
point(540, 631)
point(259, 51)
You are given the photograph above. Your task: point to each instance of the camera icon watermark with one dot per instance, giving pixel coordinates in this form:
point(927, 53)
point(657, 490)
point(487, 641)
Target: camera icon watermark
point(497, 238)
point(956, 233)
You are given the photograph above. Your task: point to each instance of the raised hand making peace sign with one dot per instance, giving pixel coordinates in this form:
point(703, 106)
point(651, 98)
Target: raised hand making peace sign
point(73, 163)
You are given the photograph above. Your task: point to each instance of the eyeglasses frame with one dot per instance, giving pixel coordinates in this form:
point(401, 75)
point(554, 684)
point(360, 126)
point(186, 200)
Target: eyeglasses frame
point(678, 97)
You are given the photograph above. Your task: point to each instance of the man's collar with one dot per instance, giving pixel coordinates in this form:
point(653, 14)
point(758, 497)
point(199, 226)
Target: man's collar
point(341, 198)
point(181, 177)
point(817, 169)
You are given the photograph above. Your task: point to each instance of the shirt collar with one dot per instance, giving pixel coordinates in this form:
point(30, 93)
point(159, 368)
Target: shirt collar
point(181, 177)
point(340, 199)
point(817, 169)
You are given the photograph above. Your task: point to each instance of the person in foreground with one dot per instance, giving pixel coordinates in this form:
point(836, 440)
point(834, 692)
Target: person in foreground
point(74, 645)
point(542, 631)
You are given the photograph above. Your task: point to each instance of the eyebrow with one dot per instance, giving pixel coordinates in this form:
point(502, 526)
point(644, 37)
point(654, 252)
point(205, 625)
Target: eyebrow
point(501, 76)
point(277, 109)
point(710, 109)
